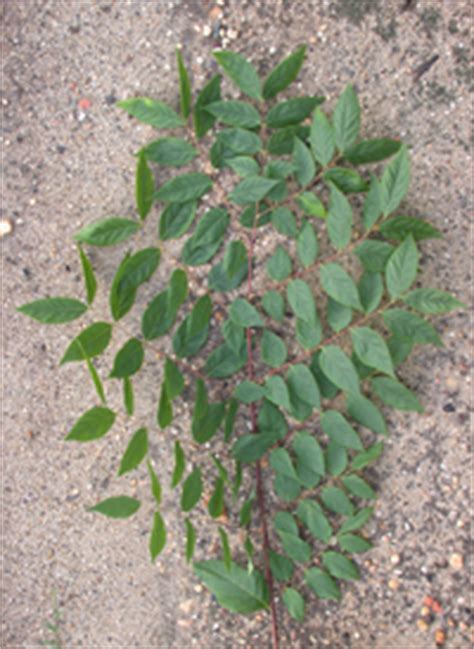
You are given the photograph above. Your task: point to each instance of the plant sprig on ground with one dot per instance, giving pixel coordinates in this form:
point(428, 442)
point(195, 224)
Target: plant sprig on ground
point(305, 343)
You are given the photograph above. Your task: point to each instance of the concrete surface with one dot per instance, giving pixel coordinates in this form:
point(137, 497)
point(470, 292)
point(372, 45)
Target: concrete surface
point(67, 160)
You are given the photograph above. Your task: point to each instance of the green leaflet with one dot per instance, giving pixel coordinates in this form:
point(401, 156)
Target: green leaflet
point(400, 227)
point(373, 204)
point(184, 86)
point(338, 315)
point(358, 487)
point(374, 255)
point(281, 142)
point(226, 551)
point(310, 466)
point(372, 349)
point(358, 520)
point(279, 264)
point(229, 420)
point(192, 333)
point(272, 349)
point(408, 326)
point(284, 222)
point(363, 459)
point(431, 300)
point(305, 167)
point(286, 528)
point(371, 290)
point(170, 152)
point(402, 267)
point(128, 396)
point(133, 271)
point(164, 415)
point(117, 507)
point(339, 219)
point(128, 360)
point(248, 392)
point(339, 285)
point(176, 219)
point(327, 388)
point(235, 113)
point(135, 452)
point(155, 484)
point(277, 392)
point(242, 313)
point(207, 418)
point(242, 73)
point(174, 380)
point(235, 256)
point(395, 394)
point(89, 343)
point(395, 181)
point(192, 490)
point(93, 424)
point(89, 276)
point(353, 543)
point(158, 536)
point(235, 589)
point(284, 73)
point(144, 186)
point(249, 448)
point(294, 603)
point(207, 237)
point(179, 464)
point(311, 205)
point(302, 387)
point(366, 413)
point(340, 566)
point(274, 305)
point(152, 112)
point(244, 166)
point(373, 150)
point(229, 273)
point(336, 459)
point(161, 312)
point(107, 232)
point(190, 540)
point(54, 310)
point(292, 111)
point(282, 568)
point(204, 121)
point(216, 502)
point(338, 429)
point(184, 188)
point(224, 361)
point(252, 189)
point(336, 501)
point(346, 119)
point(270, 418)
point(322, 139)
point(307, 246)
point(313, 517)
point(301, 300)
point(234, 335)
point(347, 181)
point(322, 584)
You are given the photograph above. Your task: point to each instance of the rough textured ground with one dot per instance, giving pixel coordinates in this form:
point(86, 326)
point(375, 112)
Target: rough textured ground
point(67, 160)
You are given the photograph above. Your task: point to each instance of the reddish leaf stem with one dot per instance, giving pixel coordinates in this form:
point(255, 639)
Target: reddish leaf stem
point(258, 470)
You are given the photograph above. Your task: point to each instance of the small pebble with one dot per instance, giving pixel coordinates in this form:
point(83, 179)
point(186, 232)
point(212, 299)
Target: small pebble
point(206, 31)
point(395, 559)
point(422, 625)
point(456, 561)
point(394, 584)
point(425, 611)
point(198, 588)
point(440, 637)
point(6, 227)
point(186, 606)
